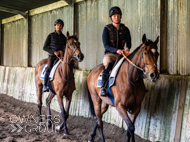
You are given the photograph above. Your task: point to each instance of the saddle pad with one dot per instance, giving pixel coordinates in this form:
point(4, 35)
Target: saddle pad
point(112, 75)
point(111, 79)
point(51, 73)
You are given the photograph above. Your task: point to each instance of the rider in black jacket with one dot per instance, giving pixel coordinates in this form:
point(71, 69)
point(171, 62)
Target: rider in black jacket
point(114, 37)
point(55, 46)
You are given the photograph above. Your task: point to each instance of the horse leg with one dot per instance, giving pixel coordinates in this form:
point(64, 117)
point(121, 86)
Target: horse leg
point(39, 96)
point(48, 101)
point(67, 106)
point(93, 133)
point(104, 108)
point(131, 128)
point(63, 114)
point(100, 109)
point(132, 118)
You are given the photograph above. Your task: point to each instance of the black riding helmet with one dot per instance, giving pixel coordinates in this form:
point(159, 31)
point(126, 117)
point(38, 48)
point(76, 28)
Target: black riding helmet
point(59, 21)
point(115, 10)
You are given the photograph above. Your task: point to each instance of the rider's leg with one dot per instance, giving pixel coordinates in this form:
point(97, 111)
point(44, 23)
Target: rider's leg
point(108, 62)
point(46, 77)
point(105, 75)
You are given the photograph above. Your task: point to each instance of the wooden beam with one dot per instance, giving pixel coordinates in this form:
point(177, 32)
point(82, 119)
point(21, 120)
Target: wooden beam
point(70, 2)
point(9, 10)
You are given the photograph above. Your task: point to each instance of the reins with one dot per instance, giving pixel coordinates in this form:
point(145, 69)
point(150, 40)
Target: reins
point(132, 63)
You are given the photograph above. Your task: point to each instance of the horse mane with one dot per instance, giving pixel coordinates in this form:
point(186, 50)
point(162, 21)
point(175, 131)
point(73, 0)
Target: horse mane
point(133, 53)
point(149, 42)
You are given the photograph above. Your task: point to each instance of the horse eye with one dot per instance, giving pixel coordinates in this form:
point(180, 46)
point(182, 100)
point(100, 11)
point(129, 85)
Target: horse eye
point(145, 53)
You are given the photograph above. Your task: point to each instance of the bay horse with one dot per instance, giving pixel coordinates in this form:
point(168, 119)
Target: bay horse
point(128, 90)
point(63, 83)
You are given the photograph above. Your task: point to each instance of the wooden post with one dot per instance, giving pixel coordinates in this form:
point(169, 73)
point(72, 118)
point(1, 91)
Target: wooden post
point(25, 51)
point(181, 108)
point(1, 45)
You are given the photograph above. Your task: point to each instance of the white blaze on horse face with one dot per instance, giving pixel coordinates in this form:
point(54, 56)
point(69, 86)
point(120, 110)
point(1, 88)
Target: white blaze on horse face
point(153, 50)
point(75, 41)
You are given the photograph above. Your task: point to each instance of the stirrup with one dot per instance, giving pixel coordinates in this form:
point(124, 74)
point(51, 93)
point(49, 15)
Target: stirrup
point(45, 88)
point(103, 92)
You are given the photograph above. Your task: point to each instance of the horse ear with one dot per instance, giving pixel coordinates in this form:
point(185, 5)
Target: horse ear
point(144, 38)
point(157, 40)
point(75, 34)
point(68, 34)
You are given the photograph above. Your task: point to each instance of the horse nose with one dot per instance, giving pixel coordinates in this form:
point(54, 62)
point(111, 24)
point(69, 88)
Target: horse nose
point(153, 75)
point(80, 56)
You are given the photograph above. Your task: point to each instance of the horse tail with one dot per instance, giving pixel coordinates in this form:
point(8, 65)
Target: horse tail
point(91, 105)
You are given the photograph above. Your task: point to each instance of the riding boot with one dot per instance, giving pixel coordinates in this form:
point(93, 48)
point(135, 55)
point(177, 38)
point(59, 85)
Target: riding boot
point(46, 78)
point(105, 76)
point(104, 80)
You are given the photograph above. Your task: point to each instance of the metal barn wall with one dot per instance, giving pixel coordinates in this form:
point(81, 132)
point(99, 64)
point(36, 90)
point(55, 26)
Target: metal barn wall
point(176, 49)
point(141, 17)
point(42, 25)
point(185, 137)
point(15, 43)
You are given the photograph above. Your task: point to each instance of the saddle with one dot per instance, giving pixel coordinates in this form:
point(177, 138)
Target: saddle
point(56, 63)
point(113, 73)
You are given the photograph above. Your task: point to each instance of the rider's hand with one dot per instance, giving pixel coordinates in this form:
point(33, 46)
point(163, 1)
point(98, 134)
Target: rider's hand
point(126, 51)
point(61, 53)
point(56, 53)
point(119, 51)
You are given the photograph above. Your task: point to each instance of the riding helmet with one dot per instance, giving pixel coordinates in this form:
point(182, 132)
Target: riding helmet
point(59, 21)
point(115, 10)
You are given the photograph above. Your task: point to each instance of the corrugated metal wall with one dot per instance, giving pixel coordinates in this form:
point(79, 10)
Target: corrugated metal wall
point(185, 137)
point(139, 16)
point(42, 25)
point(15, 43)
point(90, 18)
point(178, 33)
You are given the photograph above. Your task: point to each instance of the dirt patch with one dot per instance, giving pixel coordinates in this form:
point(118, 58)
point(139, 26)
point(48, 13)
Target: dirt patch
point(19, 123)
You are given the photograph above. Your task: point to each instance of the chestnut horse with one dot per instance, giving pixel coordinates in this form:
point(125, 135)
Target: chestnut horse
point(128, 90)
point(63, 83)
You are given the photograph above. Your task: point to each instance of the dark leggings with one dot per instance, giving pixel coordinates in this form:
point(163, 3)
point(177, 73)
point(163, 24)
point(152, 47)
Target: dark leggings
point(50, 61)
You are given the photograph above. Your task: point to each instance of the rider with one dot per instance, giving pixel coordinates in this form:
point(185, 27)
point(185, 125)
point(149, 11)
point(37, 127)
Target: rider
point(55, 46)
point(114, 37)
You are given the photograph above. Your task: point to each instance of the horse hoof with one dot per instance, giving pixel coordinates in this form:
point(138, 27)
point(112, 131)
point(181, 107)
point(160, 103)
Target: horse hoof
point(90, 140)
point(41, 123)
point(48, 124)
point(57, 128)
point(66, 133)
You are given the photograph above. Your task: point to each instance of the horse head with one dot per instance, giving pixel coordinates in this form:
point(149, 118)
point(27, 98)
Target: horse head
point(74, 45)
point(150, 56)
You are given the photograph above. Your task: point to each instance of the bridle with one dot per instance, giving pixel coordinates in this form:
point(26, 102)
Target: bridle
point(144, 64)
point(73, 55)
point(139, 68)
